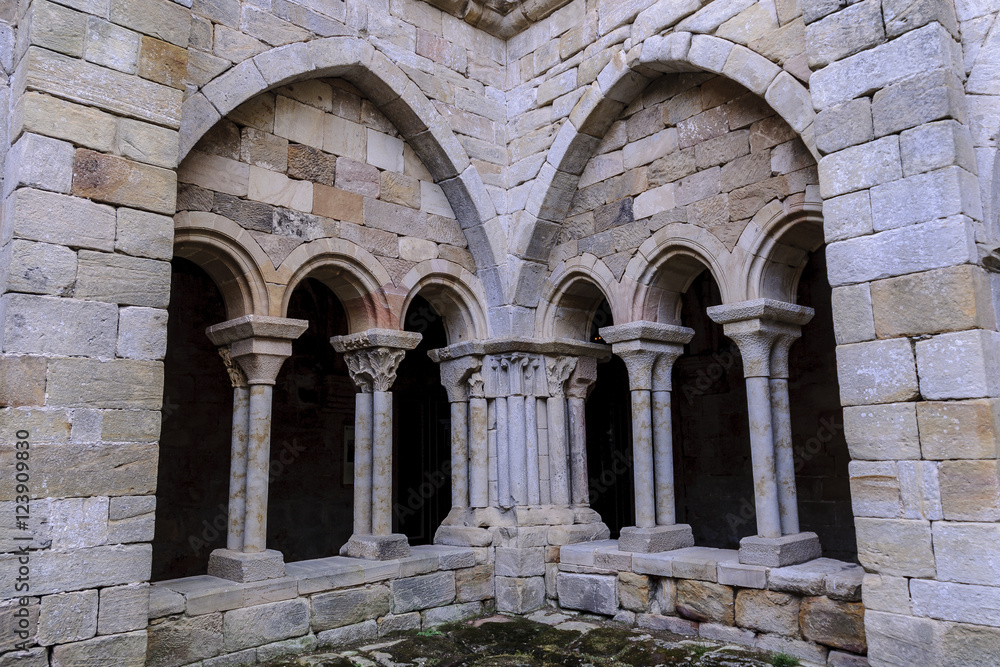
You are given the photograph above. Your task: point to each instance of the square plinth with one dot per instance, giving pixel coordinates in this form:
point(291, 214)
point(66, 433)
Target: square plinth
point(376, 547)
point(779, 551)
point(245, 567)
point(655, 539)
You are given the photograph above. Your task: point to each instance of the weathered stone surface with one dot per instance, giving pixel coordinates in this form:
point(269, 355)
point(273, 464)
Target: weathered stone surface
point(950, 299)
point(67, 617)
point(333, 610)
point(122, 384)
point(451, 613)
point(266, 151)
point(144, 234)
point(958, 365)
point(39, 162)
point(877, 372)
point(41, 216)
point(520, 562)
point(958, 429)
point(123, 608)
point(163, 62)
point(705, 601)
point(970, 490)
point(265, 623)
point(588, 592)
point(124, 280)
point(432, 590)
point(308, 163)
point(768, 611)
point(474, 583)
point(129, 650)
point(186, 639)
point(118, 181)
point(349, 634)
point(833, 623)
point(965, 644)
point(895, 546)
point(633, 591)
point(142, 333)
point(51, 325)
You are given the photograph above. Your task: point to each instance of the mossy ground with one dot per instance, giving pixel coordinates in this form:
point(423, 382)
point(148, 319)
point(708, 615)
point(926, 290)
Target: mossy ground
point(519, 642)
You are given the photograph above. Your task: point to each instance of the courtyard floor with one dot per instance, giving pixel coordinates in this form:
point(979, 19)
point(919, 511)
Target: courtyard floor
point(543, 640)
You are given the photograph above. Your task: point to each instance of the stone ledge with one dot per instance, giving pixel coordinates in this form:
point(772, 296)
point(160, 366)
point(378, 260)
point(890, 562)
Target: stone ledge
point(206, 594)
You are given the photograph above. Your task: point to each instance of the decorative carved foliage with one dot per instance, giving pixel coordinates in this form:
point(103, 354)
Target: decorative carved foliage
point(236, 377)
point(374, 368)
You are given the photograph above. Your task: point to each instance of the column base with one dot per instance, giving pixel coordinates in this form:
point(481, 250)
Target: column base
point(246, 567)
point(779, 551)
point(376, 547)
point(655, 539)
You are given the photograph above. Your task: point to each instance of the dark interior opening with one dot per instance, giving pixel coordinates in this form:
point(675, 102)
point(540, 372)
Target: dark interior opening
point(821, 454)
point(192, 483)
point(609, 437)
point(422, 440)
point(712, 467)
point(311, 480)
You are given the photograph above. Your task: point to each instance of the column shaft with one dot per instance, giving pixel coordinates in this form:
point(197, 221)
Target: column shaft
point(544, 479)
point(238, 468)
point(762, 455)
point(503, 454)
point(258, 463)
point(578, 451)
point(531, 450)
point(642, 459)
point(784, 456)
point(663, 457)
point(382, 463)
point(558, 456)
point(517, 449)
point(479, 491)
point(363, 410)
point(460, 454)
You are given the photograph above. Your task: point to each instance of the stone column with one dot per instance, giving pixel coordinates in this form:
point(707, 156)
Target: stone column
point(558, 371)
point(781, 420)
point(578, 387)
point(755, 326)
point(238, 452)
point(260, 345)
point(372, 357)
point(455, 375)
point(479, 482)
point(649, 351)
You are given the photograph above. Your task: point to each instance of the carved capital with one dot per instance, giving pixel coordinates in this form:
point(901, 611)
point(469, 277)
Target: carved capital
point(236, 377)
point(758, 327)
point(649, 350)
point(779, 352)
point(557, 372)
point(258, 343)
point(374, 368)
point(582, 379)
point(477, 387)
point(456, 374)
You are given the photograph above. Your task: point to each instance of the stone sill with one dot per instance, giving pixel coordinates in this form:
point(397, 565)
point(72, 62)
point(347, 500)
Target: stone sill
point(205, 594)
point(822, 576)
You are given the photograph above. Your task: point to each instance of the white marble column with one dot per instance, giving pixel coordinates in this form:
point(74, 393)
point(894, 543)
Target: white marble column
point(259, 345)
point(372, 358)
point(755, 326)
point(781, 420)
point(649, 350)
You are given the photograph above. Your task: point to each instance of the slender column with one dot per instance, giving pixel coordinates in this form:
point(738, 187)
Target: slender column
point(372, 358)
point(578, 387)
point(258, 466)
point(479, 490)
point(558, 371)
point(755, 326)
point(503, 455)
point(784, 454)
point(531, 450)
point(663, 455)
point(382, 462)
point(363, 414)
point(518, 449)
point(642, 459)
point(259, 345)
point(238, 452)
point(542, 429)
point(455, 375)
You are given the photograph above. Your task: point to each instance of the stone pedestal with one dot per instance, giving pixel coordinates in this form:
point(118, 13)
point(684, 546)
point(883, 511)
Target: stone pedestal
point(656, 538)
point(245, 567)
point(376, 547)
point(779, 551)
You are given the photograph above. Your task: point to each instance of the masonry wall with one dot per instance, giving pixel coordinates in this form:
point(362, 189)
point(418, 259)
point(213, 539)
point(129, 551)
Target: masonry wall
point(895, 99)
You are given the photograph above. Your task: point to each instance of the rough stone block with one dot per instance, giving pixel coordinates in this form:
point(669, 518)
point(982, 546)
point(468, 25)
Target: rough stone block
point(832, 623)
point(350, 634)
point(847, 216)
point(656, 539)
point(966, 644)
point(123, 609)
point(949, 299)
point(895, 546)
point(451, 613)
point(39, 162)
point(634, 591)
point(588, 592)
point(122, 384)
point(704, 601)
point(949, 191)
point(519, 595)
point(129, 650)
point(40, 216)
point(886, 593)
point(768, 611)
point(965, 552)
point(970, 490)
point(415, 593)
point(265, 623)
point(130, 281)
point(678, 626)
point(844, 125)
point(22, 380)
point(184, 640)
point(246, 567)
point(520, 562)
point(955, 602)
point(333, 610)
point(958, 430)
point(860, 167)
point(67, 617)
point(807, 651)
point(394, 623)
point(303, 162)
point(959, 365)
point(876, 372)
point(856, 28)
point(277, 189)
point(52, 325)
point(743, 576)
point(116, 180)
point(143, 234)
point(474, 583)
point(142, 333)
